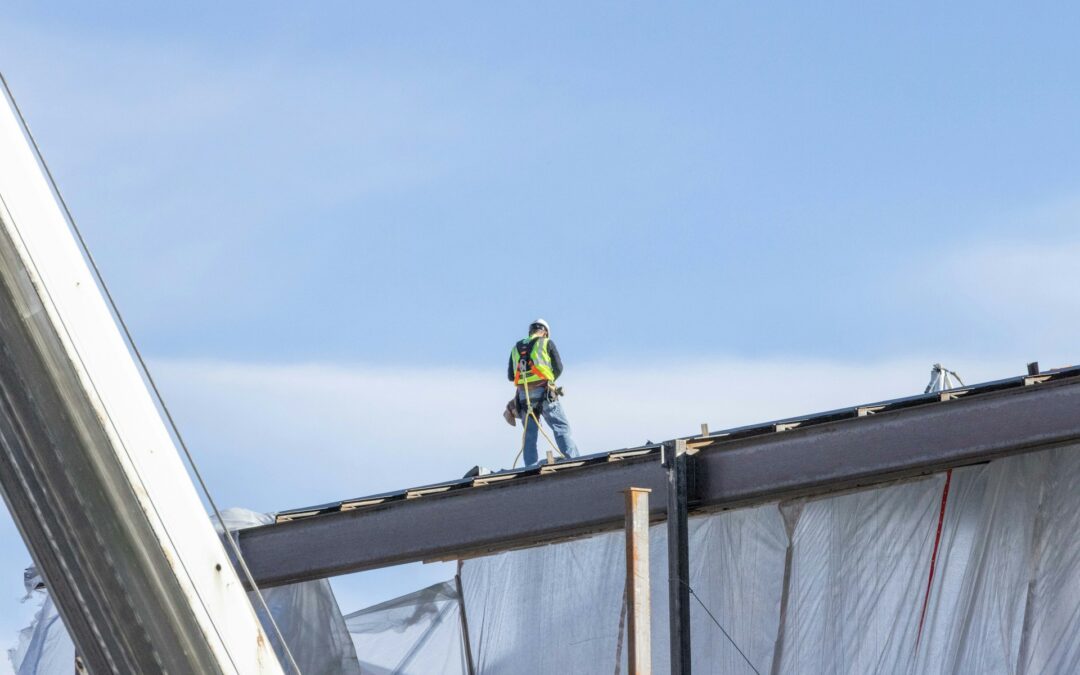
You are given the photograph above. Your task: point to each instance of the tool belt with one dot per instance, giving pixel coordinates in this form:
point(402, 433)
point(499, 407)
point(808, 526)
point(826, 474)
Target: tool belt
point(538, 393)
point(515, 408)
point(537, 401)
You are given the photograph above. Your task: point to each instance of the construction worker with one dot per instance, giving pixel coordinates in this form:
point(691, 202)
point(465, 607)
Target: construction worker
point(534, 366)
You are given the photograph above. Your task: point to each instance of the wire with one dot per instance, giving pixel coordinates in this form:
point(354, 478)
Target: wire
point(691, 589)
point(149, 378)
point(622, 626)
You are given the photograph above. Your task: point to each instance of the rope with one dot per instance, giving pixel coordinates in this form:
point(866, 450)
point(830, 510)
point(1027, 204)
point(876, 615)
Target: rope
point(691, 589)
point(150, 379)
point(525, 426)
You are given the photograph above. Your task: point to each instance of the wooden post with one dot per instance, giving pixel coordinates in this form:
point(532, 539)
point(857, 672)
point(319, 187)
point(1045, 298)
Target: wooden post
point(639, 648)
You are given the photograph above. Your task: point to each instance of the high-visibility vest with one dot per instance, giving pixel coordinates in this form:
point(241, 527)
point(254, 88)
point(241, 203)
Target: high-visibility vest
point(532, 361)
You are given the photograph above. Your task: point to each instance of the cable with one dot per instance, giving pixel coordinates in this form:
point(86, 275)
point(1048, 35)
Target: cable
point(691, 589)
point(622, 626)
point(525, 427)
point(149, 378)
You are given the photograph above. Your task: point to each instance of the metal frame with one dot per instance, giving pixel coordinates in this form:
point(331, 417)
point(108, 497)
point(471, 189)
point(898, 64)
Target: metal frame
point(837, 450)
point(676, 462)
point(87, 467)
point(638, 608)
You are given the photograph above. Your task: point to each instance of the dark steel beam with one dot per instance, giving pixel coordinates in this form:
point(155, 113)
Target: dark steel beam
point(443, 526)
point(851, 450)
point(887, 446)
point(678, 541)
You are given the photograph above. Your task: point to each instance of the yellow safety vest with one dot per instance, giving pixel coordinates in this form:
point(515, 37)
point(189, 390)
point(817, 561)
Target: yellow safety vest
point(533, 364)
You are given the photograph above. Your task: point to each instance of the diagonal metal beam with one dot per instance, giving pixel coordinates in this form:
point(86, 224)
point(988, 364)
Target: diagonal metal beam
point(87, 467)
point(841, 450)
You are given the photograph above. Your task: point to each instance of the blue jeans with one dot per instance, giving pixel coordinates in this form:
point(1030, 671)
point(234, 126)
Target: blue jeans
point(553, 414)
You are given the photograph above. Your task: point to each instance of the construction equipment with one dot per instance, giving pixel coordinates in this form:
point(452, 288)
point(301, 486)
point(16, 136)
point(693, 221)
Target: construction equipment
point(941, 379)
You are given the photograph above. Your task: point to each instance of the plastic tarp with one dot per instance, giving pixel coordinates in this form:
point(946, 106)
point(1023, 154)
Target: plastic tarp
point(44, 646)
point(552, 609)
point(416, 634)
point(307, 614)
point(975, 570)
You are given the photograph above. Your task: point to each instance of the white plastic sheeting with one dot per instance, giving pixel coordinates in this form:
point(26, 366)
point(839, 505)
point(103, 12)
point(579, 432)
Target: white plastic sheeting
point(416, 634)
point(556, 608)
point(44, 646)
point(971, 571)
point(543, 610)
point(974, 571)
point(1008, 600)
point(307, 614)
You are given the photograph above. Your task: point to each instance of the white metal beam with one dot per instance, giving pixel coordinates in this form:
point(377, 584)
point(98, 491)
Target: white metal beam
point(90, 471)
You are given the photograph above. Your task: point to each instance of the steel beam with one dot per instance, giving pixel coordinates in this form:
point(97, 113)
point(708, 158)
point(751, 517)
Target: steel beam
point(38, 462)
point(855, 449)
point(678, 541)
point(639, 646)
point(88, 468)
point(886, 446)
point(442, 527)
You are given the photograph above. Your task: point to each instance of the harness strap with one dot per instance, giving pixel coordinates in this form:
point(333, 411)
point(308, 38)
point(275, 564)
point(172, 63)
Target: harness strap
point(525, 364)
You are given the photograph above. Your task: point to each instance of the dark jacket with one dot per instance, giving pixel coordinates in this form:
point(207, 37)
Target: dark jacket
point(556, 362)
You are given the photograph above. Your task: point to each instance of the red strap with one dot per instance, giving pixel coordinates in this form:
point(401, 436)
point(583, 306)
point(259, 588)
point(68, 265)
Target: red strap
point(532, 371)
point(933, 556)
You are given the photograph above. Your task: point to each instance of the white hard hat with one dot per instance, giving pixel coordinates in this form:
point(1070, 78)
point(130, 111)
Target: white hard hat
point(540, 322)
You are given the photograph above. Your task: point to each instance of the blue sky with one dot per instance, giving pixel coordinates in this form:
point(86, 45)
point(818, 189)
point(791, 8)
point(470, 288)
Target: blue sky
point(322, 223)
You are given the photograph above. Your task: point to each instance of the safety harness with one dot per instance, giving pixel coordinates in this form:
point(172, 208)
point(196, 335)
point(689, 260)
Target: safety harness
point(525, 366)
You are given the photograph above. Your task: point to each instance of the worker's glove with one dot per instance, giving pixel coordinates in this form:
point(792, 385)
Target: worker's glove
point(510, 412)
point(558, 391)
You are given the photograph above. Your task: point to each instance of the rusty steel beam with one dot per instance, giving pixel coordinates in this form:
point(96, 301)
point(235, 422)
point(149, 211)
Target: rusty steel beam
point(833, 451)
point(639, 646)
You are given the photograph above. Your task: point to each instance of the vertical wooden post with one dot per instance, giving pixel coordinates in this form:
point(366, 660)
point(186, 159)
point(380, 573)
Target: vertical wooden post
point(639, 647)
point(678, 557)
